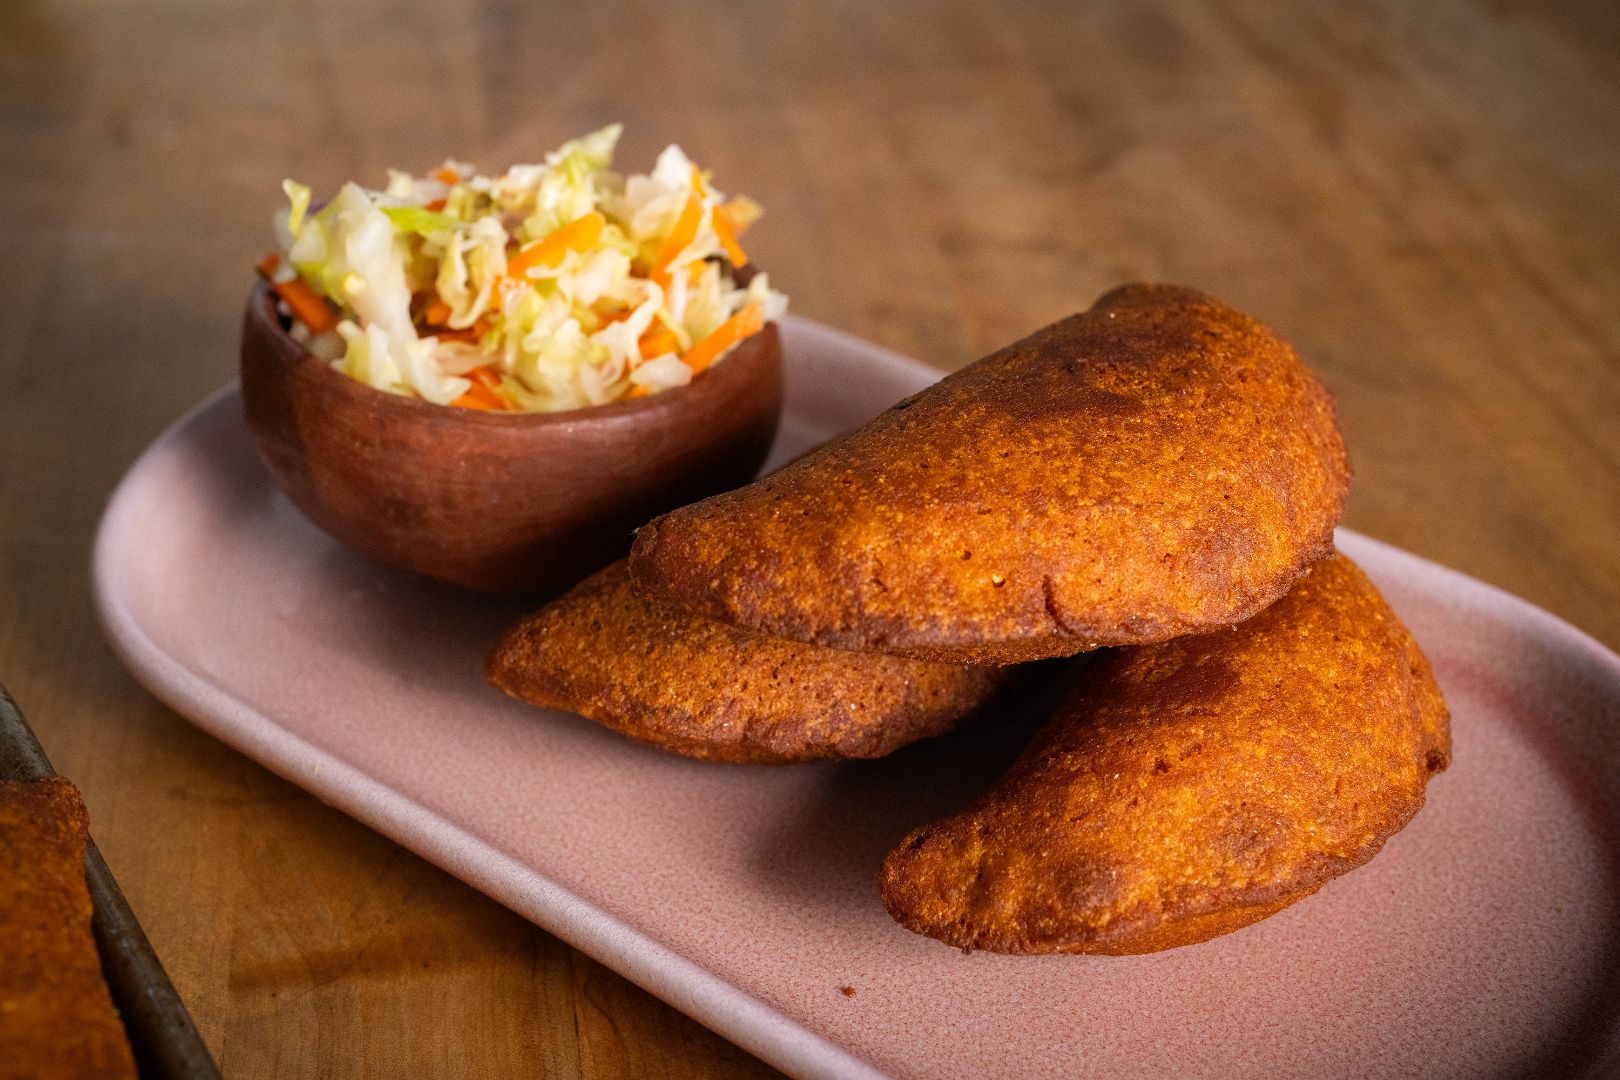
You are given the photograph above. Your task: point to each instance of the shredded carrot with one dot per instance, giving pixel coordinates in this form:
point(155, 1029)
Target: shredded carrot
point(308, 306)
point(578, 235)
point(484, 393)
point(750, 320)
point(445, 176)
point(437, 313)
point(472, 334)
point(658, 342)
point(637, 391)
point(727, 233)
point(697, 183)
point(480, 399)
point(678, 240)
point(435, 205)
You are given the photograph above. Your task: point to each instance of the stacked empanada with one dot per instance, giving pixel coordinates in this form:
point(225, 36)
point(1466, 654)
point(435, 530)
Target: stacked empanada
point(1161, 476)
point(707, 690)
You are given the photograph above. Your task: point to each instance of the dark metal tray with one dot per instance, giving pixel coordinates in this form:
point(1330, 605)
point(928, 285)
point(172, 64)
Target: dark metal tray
point(161, 1034)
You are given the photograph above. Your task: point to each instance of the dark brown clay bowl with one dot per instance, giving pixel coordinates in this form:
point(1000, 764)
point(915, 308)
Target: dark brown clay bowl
point(500, 502)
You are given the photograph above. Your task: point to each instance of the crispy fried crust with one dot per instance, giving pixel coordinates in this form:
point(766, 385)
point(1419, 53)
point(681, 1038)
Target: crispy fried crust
point(56, 1017)
point(706, 690)
point(1157, 466)
point(1183, 790)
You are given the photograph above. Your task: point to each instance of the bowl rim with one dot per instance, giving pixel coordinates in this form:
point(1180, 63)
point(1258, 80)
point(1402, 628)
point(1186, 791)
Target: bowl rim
point(261, 308)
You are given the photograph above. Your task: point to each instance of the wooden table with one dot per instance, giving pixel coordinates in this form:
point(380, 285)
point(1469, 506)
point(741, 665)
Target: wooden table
point(1424, 197)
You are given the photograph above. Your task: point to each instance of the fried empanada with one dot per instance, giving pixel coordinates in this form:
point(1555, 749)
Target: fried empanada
point(1159, 465)
point(57, 1017)
point(707, 690)
point(1185, 789)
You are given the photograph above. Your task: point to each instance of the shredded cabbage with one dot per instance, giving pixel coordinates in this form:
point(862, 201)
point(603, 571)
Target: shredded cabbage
point(439, 276)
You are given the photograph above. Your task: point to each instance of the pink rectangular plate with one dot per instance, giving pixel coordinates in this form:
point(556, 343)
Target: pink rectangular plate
point(1485, 939)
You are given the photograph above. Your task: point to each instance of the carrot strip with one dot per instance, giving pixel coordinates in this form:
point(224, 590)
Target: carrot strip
point(678, 240)
point(581, 234)
point(472, 400)
point(437, 313)
point(727, 233)
point(480, 395)
point(308, 306)
point(750, 320)
point(472, 334)
point(485, 376)
point(445, 176)
point(658, 342)
point(436, 205)
point(697, 184)
point(637, 391)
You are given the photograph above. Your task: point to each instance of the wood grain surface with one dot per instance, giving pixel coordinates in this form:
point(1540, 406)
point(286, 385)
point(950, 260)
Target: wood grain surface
point(1424, 197)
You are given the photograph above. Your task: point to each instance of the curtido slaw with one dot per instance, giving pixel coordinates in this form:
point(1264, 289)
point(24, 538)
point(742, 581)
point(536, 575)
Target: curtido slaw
point(554, 286)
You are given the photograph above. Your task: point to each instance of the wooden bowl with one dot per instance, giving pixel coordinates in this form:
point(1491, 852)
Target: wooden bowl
point(500, 502)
